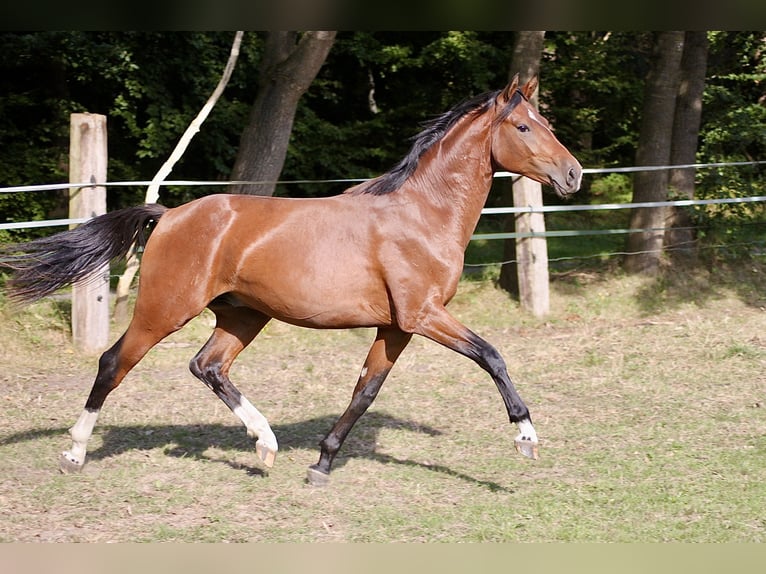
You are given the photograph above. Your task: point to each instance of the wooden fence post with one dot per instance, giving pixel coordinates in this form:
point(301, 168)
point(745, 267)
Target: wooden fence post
point(87, 163)
point(531, 252)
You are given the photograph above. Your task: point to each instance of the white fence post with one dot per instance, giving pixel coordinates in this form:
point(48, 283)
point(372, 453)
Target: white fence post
point(531, 252)
point(87, 163)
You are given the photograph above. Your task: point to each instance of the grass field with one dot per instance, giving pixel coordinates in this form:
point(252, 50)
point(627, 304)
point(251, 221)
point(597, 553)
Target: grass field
point(649, 396)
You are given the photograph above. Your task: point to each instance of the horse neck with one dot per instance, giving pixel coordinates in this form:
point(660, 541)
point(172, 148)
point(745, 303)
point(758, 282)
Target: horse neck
point(455, 175)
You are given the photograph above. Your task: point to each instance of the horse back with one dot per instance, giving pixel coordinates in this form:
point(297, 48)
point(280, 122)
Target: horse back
point(311, 262)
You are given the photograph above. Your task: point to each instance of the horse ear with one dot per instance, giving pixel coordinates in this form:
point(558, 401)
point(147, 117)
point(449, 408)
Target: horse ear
point(510, 88)
point(529, 88)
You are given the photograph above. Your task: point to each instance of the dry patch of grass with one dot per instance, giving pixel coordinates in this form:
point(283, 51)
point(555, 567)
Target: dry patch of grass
point(648, 395)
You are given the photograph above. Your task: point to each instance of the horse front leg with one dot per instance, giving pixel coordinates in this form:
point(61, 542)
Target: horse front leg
point(443, 328)
point(235, 328)
point(388, 345)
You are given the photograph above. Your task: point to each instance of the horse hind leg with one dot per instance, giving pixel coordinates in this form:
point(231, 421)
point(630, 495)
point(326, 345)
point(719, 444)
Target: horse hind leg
point(388, 345)
point(235, 328)
point(152, 321)
point(113, 365)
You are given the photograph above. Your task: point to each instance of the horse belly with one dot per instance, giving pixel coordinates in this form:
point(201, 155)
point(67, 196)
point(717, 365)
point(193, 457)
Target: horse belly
point(307, 288)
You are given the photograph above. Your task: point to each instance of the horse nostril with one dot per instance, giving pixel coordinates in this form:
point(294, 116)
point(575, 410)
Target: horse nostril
point(573, 178)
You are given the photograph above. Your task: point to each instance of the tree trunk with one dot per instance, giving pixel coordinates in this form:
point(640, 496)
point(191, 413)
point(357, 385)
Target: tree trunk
point(531, 252)
point(654, 144)
point(289, 66)
point(686, 127)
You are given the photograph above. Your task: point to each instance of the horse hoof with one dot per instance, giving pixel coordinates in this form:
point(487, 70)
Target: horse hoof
point(266, 454)
point(316, 477)
point(527, 448)
point(68, 465)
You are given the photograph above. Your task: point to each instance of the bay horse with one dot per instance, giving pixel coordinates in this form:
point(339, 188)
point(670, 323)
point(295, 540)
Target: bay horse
point(387, 253)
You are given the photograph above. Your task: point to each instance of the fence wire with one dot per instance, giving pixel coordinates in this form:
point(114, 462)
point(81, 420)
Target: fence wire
point(486, 211)
point(672, 249)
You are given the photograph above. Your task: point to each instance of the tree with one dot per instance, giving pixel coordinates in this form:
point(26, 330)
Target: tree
point(686, 125)
point(289, 65)
point(150, 84)
point(733, 129)
point(654, 147)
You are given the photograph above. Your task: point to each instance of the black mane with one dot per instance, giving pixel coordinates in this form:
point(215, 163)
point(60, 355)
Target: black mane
point(432, 133)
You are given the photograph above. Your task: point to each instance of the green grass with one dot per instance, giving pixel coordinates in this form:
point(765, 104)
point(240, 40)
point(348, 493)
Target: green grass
point(648, 395)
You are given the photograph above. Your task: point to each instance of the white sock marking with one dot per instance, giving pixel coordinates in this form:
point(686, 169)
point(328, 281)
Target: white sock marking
point(256, 423)
point(526, 430)
point(81, 432)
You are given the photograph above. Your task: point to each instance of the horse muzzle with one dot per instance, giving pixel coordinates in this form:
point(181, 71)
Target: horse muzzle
point(569, 183)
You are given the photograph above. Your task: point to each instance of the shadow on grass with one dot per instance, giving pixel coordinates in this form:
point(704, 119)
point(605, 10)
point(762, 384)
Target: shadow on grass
point(698, 283)
point(745, 278)
point(194, 441)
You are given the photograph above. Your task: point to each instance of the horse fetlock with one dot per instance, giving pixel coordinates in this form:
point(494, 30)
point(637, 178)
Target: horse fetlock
point(264, 436)
point(82, 430)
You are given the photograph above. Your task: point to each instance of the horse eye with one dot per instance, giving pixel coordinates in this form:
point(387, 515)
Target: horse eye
point(523, 128)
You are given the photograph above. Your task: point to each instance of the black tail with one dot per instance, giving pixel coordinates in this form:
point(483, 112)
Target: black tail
point(44, 265)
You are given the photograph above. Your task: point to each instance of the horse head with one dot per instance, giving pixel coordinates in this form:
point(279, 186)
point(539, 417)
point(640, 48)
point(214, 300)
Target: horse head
point(522, 142)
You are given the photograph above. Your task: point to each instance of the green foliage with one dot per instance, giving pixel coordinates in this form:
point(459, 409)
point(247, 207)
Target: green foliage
point(734, 129)
point(592, 86)
point(355, 121)
point(374, 92)
point(612, 188)
point(32, 141)
point(150, 85)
